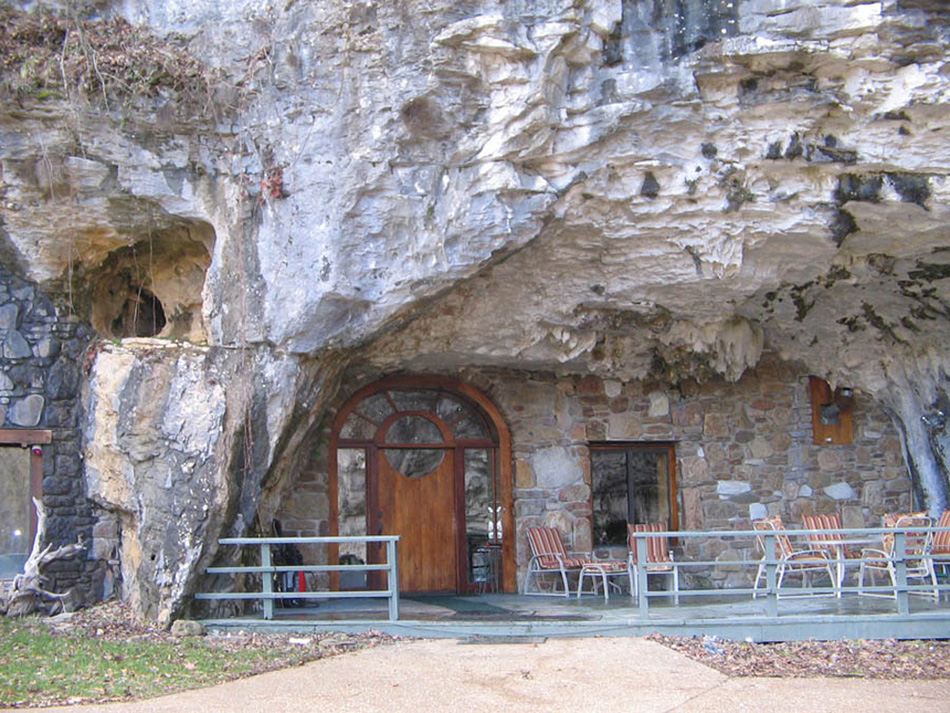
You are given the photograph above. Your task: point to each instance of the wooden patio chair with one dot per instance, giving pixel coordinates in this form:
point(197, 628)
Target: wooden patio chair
point(548, 557)
point(605, 570)
point(821, 541)
point(941, 544)
point(659, 558)
point(918, 561)
point(832, 543)
point(788, 559)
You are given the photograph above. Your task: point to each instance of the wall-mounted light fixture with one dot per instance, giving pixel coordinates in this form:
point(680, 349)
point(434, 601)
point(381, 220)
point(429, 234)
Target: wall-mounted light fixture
point(829, 414)
point(832, 412)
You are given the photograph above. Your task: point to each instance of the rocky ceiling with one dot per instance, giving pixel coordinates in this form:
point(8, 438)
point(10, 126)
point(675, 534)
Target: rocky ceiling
point(615, 186)
point(784, 187)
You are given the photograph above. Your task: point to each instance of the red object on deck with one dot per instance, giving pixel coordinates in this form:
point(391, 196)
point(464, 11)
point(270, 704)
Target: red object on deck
point(301, 582)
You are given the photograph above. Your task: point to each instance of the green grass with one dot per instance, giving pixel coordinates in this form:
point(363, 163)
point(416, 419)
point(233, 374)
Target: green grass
point(38, 667)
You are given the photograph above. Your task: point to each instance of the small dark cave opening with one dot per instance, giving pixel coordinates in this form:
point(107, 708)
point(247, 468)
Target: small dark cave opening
point(142, 315)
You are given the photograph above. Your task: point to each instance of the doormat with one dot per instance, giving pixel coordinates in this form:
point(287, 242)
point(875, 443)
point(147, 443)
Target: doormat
point(458, 604)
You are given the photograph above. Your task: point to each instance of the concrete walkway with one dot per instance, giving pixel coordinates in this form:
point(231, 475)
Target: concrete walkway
point(615, 674)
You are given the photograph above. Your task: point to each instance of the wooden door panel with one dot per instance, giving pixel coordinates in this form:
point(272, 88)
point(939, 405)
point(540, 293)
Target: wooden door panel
point(421, 510)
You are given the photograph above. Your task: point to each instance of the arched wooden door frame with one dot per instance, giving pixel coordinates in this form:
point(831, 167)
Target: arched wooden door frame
point(500, 434)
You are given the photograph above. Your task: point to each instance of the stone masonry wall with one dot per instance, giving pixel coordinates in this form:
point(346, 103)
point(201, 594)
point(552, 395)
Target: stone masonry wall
point(40, 363)
point(744, 451)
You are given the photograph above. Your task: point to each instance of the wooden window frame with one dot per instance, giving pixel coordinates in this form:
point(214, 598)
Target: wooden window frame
point(659, 446)
point(34, 439)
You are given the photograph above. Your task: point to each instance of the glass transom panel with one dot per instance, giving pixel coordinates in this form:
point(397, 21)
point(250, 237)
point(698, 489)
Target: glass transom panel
point(413, 429)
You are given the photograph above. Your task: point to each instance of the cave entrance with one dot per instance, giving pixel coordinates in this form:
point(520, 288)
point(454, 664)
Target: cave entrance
point(153, 287)
point(428, 459)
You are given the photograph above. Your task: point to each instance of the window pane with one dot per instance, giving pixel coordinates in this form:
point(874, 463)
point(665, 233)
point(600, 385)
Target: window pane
point(609, 475)
point(479, 495)
point(358, 428)
point(464, 421)
point(644, 490)
point(413, 429)
point(482, 526)
point(450, 409)
point(15, 509)
point(351, 506)
point(414, 400)
point(376, 408)
point(470, 427)
point(630, 485)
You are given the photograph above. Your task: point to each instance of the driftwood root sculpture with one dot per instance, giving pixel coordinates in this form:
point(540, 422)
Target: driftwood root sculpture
point(26, 594)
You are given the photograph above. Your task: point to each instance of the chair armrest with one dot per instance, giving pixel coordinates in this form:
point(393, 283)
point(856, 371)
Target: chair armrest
point(821, 554)
point(872, 553)
point(544, 555)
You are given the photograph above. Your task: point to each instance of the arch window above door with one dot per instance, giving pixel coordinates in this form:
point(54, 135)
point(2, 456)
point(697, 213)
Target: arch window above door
point(459, 420)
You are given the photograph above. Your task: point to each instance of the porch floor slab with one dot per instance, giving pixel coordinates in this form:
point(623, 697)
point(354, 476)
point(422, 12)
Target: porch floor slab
point(509, 615)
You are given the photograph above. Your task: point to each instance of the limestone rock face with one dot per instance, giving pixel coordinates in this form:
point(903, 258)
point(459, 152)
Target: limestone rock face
point(161, 453)
point(631, 188)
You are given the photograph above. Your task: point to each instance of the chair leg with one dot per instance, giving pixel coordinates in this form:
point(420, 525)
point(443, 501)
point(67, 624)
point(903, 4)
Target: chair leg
point(676, 585)
point(758, 575)
point(535, 576)
point(527, 581)
point(890, 573)
point(567, 587)
point(780, 572)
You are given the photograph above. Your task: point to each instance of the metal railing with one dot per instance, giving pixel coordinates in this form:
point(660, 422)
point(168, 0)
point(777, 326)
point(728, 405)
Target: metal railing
point(772, 593)
point(267, 571)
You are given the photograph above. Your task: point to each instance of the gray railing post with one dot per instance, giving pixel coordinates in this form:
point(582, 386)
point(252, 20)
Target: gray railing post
point(900, 573)
point(642, 588)
point(771, 567)
point(267, 582)
point(393, 578)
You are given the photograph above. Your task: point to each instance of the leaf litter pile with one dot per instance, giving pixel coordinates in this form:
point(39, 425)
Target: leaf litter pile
point(44, 55)
point(104, 654)
point(881, 659)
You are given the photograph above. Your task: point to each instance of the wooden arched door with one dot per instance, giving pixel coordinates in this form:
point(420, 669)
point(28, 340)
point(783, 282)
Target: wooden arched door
point(415, 497)
point(434, 475)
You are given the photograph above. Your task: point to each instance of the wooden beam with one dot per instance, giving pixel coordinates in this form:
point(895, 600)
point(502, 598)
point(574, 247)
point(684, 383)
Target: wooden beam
point(25, 437)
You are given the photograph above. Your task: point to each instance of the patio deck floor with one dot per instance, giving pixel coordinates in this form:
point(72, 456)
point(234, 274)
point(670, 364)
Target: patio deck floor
point(508, 616)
